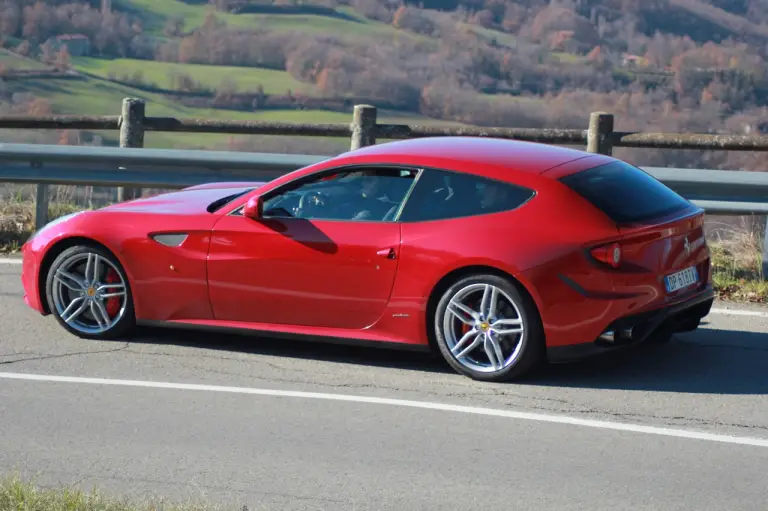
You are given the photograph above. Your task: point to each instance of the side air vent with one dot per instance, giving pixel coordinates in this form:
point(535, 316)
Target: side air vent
point(170, 240)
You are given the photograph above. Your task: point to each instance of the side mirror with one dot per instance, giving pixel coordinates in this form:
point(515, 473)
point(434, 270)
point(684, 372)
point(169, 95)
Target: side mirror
point(253, 208)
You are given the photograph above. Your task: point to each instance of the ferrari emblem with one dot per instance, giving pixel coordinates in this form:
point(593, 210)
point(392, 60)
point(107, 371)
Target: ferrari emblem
point(91, 291)
point(484, 326)
point(687, 245)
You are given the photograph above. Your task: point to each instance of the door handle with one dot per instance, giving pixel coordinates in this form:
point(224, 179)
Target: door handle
point(389, 253)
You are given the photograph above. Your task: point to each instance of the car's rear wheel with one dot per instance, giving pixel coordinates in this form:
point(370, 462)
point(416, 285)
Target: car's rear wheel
point(487, 329)
point(89, 294)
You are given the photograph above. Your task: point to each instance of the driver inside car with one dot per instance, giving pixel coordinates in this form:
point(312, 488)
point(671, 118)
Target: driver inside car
point(370, 203)
point(365, 199)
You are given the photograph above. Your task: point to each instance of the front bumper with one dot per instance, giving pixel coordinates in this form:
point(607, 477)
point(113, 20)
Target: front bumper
point(635, 329)
point(30, 270)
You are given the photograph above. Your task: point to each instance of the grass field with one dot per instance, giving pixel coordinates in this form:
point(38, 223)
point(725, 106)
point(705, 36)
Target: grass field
point(102, 97)
point(154, 13)
point(11, 61)
point(162, 74)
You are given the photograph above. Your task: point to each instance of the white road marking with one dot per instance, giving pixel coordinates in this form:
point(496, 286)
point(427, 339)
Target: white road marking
point(9, 260)
point(491, 412)
point(739, 312)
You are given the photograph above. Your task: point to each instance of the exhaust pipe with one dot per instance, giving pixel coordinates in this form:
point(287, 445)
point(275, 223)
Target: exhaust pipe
point(608, 336)
point(611, 336)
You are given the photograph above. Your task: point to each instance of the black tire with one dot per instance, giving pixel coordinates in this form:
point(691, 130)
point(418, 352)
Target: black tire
point(124, 325)
point(532, 353)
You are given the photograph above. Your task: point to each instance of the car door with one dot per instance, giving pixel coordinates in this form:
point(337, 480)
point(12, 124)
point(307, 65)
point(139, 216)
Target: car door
point(313, 259)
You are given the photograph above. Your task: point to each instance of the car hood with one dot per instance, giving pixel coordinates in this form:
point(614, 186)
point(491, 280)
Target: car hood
point(193, 200)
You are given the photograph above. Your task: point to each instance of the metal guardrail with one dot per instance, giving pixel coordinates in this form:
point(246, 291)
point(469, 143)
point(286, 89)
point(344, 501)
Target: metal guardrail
point(721, 192)
point(131, 167)
point(718, 192)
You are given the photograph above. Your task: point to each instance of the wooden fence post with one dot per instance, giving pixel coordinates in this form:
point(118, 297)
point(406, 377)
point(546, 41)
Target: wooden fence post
point(363, 126)
point(131, 135)
point(599, 133)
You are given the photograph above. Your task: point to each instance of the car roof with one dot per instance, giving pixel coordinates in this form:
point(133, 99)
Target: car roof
point(531, 157)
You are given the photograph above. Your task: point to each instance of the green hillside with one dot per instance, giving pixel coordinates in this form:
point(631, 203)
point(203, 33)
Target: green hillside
point(107, 79)
point(98, 93)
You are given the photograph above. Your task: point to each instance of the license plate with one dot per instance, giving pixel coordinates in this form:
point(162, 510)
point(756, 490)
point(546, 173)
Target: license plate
point(681, 279)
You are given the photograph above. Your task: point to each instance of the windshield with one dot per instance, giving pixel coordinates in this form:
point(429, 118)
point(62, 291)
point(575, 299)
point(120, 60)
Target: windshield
point(220, 203)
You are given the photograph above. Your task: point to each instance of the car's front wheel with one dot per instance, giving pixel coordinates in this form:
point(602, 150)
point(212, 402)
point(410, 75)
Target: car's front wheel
point(487, 329)
point(88, 293)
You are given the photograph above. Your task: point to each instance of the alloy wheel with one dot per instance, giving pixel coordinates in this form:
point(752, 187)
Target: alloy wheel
point(89, 293)
point(483, 328)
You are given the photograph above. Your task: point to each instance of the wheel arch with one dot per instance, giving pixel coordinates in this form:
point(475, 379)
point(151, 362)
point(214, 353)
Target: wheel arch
point(458, 273)
point(53, 252)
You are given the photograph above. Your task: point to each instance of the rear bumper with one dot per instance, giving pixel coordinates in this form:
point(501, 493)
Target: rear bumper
point(635, 329)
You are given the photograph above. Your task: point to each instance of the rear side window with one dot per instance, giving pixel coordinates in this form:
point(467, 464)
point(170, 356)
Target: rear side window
point(625, 193)
point(439, 195)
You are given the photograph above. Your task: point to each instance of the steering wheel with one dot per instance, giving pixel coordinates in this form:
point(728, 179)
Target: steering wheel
point(311, 201)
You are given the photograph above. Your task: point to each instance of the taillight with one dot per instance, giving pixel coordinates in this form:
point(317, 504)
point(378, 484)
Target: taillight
point(608, 254)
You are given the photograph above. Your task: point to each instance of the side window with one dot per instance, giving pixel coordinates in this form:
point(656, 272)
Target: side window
point(441, 195)
point(367, 194)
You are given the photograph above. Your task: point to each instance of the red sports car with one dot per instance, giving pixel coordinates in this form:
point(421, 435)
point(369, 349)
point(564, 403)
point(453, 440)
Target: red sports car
point(499, 254)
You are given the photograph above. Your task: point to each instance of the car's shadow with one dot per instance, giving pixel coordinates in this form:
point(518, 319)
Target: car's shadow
point(701, 362)
point(705, 361)
point(384, 357)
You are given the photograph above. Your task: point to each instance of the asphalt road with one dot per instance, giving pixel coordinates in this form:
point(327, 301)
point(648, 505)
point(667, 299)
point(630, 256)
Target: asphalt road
point(239, 446)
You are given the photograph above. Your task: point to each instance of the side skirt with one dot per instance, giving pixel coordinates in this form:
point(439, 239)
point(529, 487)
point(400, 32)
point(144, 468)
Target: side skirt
point(275, 334)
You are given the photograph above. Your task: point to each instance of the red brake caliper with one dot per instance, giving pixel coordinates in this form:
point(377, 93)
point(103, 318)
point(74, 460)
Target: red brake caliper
point(113, 303)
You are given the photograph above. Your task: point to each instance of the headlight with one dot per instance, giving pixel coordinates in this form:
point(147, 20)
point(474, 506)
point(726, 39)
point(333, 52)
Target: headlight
point(54, 222)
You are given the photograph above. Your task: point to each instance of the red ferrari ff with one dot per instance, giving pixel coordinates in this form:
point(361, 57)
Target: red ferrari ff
point(500, 254)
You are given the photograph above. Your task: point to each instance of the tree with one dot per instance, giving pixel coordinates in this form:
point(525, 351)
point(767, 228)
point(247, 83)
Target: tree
point(62, 61)
point(174, 26)
point(47, 52)
point(23, 48)
point(39, 107)
point(400, 13)
point(225, 93)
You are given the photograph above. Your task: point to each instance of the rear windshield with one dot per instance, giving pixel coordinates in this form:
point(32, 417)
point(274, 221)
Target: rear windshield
point(625, 193)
